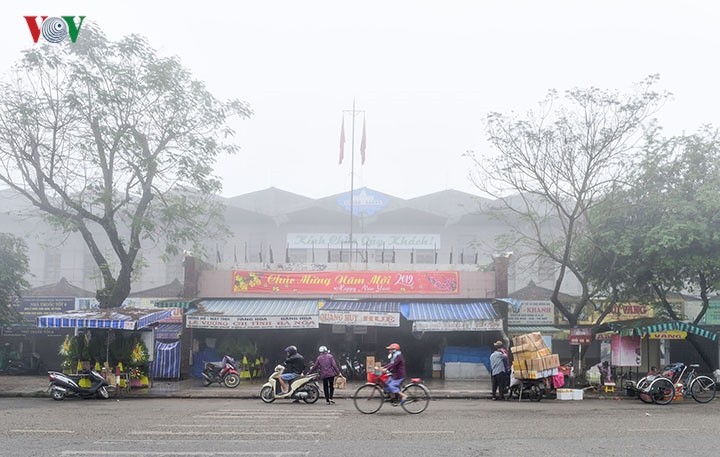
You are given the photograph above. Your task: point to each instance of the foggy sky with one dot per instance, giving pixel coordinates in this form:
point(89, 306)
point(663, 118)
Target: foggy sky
point(426, 73)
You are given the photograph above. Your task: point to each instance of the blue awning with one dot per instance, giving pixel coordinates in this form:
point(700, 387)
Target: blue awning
point(438, 311)
point(258, 307)
point(365, 306)
point(113, 318)
point(168, 331)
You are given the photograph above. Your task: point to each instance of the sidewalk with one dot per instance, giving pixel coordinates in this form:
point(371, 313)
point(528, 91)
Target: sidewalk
point(36, 386)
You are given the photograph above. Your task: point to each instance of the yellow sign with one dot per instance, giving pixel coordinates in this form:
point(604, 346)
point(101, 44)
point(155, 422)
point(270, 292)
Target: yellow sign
point(668, 335)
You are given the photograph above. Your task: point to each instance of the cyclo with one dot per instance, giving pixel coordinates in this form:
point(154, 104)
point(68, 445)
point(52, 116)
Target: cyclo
point(663, 388)
point(369, 397)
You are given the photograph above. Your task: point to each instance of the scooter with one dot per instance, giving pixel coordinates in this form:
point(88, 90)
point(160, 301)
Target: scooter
point(224, 372)
point(303, 388)
point(62, 385)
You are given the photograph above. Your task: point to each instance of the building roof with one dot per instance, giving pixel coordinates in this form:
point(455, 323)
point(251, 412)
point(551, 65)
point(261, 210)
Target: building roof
point(171, 290)
point(61, 288)
point(535, 292)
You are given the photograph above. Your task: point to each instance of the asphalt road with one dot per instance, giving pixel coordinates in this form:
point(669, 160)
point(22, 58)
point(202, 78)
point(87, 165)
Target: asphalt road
point(41, 427)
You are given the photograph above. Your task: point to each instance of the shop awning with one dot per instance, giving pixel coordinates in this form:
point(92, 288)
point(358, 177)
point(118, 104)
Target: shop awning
point(168, 331)
point(642, 327)
point(254, 314)
point(112, 318)
point(184, 304)
point(438, 311)
point(445, 317)
point(368, 313)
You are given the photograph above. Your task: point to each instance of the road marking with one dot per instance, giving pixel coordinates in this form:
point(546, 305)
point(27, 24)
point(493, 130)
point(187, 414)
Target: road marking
point(423, 432)
point(42, 431)
point(190, 432)
point(198, 453)
point(227, 425)
point(659, 430)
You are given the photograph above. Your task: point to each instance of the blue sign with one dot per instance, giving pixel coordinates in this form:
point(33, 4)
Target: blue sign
point(365, 201)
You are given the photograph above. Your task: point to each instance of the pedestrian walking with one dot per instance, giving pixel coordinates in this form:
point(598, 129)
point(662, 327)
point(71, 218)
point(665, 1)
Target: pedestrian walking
point(327, 367)
point(499, 371)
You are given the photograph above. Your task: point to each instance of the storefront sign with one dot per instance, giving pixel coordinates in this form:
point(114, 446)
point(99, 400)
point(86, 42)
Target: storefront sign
point(457, 326)
point(668, 335)
point(712, 315)
point(626, 351)
point(580, 336)
point(363, 240)
point(32, 307)
point(360, 318)
point(533, 313)
point(254, 322)
point(346, 282)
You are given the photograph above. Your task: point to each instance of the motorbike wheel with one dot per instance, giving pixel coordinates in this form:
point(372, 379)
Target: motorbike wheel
point(206, 382)
point(267, 395)
point(535, 393)
point(57, 394)
point(103, 393)
point(313, 394)
point(232, 380)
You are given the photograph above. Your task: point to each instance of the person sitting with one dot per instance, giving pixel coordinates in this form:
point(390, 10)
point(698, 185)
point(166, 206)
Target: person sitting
point(396, 367)
point(294, 367)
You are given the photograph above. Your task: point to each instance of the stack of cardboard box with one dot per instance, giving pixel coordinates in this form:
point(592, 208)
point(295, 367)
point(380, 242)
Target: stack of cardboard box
point(532, 358)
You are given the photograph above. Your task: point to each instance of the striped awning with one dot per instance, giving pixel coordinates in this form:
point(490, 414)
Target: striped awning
point(439, 311)
point(113, 318)
point(364, 306)
point(629, 328)
point(254, 314)
point(258, 307)
point(168, 331)
point(184, 304)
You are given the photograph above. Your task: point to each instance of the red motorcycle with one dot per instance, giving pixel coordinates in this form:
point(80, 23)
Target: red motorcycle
point(223, 372)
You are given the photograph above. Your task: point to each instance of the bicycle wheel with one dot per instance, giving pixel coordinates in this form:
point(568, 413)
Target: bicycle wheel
point(642, 390)
point(662, 391)
point(417, 400)
point(368, 398)
point(702, 389)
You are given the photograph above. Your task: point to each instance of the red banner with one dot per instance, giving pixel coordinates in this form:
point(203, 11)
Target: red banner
point(346, 282)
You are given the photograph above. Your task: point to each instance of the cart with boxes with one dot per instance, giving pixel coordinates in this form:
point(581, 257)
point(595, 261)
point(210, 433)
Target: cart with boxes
point(533, 367)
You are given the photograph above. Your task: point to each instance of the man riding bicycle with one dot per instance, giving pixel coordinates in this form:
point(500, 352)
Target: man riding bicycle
point(396, 367)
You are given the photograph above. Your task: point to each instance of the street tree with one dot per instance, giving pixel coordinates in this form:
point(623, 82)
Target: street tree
point(117, 143)
point(14, 266)
point(661, 232)
point(549, 168)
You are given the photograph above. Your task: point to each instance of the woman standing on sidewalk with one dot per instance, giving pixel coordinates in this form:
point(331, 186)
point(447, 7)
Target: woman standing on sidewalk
point(325, 364)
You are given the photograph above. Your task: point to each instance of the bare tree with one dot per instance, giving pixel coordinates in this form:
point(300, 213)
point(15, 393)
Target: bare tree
point(550, 167)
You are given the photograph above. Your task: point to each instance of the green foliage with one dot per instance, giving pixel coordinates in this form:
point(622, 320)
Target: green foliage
point(237, 347)
point(661, 235)
point(13, 268)
point(118, 143)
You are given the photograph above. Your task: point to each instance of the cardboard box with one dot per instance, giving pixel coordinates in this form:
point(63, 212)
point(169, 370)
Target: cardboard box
point(369, 363)
point(551, 361)
point(527, 338)
point(525, 355)
point(528, 347)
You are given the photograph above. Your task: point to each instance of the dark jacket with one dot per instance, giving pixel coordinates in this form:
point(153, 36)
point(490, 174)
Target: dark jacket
point(397, 366)
point(325, 364)
point(295, 364)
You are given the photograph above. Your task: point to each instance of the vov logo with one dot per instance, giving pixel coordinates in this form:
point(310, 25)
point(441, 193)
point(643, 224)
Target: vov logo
point(54, 29)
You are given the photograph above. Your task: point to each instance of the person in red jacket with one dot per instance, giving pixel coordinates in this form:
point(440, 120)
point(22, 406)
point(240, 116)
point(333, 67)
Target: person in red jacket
point(396, 367)
point(327, 367)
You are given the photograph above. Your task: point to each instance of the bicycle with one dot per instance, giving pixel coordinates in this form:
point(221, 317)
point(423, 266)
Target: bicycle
point(662, 389)
point(369, 398)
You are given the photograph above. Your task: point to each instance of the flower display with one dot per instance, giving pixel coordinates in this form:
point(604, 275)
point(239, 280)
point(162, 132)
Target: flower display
point(139, 354)
point(135, 373)
point(65, 347)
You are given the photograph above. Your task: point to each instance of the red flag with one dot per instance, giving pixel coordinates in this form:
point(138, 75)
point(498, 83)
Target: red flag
point(342, 141)
point(362, 145)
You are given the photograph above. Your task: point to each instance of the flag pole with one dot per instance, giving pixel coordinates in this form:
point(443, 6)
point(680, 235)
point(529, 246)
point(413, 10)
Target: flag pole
point(354, 112)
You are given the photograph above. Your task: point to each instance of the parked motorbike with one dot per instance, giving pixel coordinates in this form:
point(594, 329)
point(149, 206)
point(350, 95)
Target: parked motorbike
point(62, 385)
point(303, 388)
point(223, 372)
